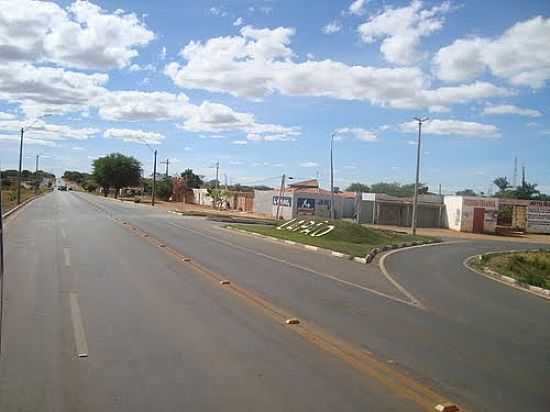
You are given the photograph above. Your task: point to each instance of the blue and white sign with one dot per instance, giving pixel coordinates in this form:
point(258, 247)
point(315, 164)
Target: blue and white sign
point(285, 201)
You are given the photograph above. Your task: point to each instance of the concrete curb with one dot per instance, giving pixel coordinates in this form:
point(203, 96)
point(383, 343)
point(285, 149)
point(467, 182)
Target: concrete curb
point(16, 208)
point(506, 280)
point(358, 259)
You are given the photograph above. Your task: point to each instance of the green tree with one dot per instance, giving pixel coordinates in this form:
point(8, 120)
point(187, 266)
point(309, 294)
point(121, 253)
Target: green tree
point(218, 196)
point(358, 187)
point(192, 181)
point(116, 171)
point(466, 192)
point(502, 183)
point(526, 191)
point(164, 188)
point(398, 190)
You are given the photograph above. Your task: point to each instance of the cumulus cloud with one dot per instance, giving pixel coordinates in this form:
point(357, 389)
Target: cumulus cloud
point(238, 22)
point(48, 89)
point(519, 55)
point(45, 132)
point(452, 127)
point(505, 109)
point(357, 7)
point(358, 133)
point(83, 36)
point(6, 116)
point(332, 27)
point(260, 62)
point(208, 117)
point(400, 30)
point(134, 136)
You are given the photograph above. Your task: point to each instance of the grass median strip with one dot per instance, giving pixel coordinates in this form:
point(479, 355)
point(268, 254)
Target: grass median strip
point(348, 238)
point(531, 268)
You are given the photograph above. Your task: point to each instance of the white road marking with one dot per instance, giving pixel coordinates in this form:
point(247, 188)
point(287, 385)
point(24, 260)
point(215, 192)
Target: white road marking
point(303, 268)
point(78, 326)
point(63, 234)
point(67, 253)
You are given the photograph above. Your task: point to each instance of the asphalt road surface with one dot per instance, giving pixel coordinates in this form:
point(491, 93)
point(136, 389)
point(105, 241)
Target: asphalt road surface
point(158, 334)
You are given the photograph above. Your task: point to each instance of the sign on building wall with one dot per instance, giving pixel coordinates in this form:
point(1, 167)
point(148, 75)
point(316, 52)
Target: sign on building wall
point(306, 206)
point(285, 201)
point(538, 216)
point(486, 203)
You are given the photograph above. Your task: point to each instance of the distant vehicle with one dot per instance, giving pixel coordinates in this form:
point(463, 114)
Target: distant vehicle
point(70, 188)
point(62, 188)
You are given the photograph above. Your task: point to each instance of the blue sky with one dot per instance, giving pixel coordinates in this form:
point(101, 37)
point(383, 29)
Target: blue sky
point(260, 86)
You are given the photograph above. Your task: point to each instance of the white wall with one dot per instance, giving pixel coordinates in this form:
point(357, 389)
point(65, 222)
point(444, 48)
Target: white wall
point(453, 212)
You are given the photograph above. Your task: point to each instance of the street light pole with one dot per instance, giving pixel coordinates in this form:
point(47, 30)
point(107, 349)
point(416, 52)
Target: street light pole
point(415, 198)
point(36, 165)
point(154, 178)
point(331, 178)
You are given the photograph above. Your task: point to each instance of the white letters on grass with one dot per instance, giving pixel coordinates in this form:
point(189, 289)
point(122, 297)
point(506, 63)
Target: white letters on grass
point(311, 228)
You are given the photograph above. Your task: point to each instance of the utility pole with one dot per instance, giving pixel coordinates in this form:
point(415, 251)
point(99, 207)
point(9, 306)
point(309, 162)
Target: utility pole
point(20, 165)
point(1, 265)
point(523, 177)
point(36, 166)
point(166, 162)
point(154, 179)
point(217, 175)
point(331, 178)
point(415, 198)
point(440, 189)
point(279, 199)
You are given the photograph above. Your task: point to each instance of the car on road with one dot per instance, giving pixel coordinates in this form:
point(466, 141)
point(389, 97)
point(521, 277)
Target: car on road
point(62, 188)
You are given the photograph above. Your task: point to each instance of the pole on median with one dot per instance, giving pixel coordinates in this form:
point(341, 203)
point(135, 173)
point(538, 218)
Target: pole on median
point(279, 198)
point(154, 178)
point(415, 198)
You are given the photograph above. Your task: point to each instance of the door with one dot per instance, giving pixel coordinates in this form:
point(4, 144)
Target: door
point(479, 217)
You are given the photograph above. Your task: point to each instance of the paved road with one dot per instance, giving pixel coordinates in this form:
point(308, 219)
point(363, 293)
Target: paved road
point(163, 338)
point(159, 336)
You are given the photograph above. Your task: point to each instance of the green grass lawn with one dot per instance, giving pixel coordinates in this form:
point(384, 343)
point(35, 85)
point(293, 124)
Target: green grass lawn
point(532, 268)
point(349, 238)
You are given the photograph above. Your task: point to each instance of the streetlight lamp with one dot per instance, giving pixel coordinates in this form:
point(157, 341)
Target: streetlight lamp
point(420, 120)
point(331, 177)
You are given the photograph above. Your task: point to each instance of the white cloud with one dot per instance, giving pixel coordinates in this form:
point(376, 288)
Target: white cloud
point(241, 142)
point(358, 133)
point(134, 136)
point(48, 89)
point(141, 106)
point(452, 127)
point(217, 11)
point(78, 148)
point(259, 62)
point(266, 9)
point(208, 117)
point(83, 36)
point(400, 30)
point(309, 164)
point(238, 22)
point(187, 149)
point(332, 27)
point(519, 55)
point(137, 68)
point(6, 116)
point(41, 130)
point(504, 109)
point(162, 54)
point(545, 132)
point(357, 7)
